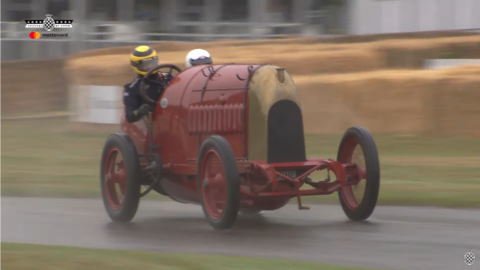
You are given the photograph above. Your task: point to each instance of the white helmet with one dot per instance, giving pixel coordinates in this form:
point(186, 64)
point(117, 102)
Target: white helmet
point(197, 57)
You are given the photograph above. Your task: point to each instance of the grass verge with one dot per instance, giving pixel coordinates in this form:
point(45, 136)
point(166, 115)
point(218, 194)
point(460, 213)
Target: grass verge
point(43, 157)
point(39, 257)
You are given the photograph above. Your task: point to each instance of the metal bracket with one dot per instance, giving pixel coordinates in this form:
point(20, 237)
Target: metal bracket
point(250, 71)
point(299, 199)
point(210, 69)
point(156, 181)
point(156, 168)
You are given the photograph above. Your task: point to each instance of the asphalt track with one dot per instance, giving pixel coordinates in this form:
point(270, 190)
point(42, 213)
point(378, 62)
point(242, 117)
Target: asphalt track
point(393, 238)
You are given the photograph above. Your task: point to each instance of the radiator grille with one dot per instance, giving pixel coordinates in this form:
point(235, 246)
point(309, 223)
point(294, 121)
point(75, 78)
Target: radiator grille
point(218, 119)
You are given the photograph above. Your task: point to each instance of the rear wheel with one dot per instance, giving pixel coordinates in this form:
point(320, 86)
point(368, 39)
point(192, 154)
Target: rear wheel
point(119, 170)
point(218, 183)
point(357, 146)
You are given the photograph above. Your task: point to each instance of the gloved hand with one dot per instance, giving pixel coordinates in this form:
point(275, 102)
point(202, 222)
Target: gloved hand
point(145, 109)
point(164, 76)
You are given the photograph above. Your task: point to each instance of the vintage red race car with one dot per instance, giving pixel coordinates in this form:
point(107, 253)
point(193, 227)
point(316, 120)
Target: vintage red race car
point(230, 138)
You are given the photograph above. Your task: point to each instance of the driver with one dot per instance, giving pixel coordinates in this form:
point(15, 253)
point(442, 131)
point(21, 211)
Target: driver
point(142, 59)
point(198, 57)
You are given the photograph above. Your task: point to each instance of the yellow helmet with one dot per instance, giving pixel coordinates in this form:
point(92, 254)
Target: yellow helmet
point(143, 58)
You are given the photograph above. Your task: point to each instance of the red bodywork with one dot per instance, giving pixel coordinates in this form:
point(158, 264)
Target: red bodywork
point(221, 111)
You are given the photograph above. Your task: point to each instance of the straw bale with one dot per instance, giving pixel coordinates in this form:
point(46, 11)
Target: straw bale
point(388, 36)
point(382, 101)
point(385, 101)
point(187, 46)
point(342, 61)
point(456, 106)
point(33, 86)
point(159, 47)
point(302, 57)
point(112, 69)
point(347, 40)
point(400, 54)
point(440, 102)
point(108, 69)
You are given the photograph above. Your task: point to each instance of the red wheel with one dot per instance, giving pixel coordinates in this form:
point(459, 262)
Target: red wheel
point(115, 180)
point(118, 178)
point(218, 183)
point(358, 147)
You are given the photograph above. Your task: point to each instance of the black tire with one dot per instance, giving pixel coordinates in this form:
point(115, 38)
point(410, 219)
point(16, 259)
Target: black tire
point(132, 197)
point(232, 179)
point(364, 209)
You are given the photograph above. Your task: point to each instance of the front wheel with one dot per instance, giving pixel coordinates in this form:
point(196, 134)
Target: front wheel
point(119, 172)
point(357, 146)
point(218, 183)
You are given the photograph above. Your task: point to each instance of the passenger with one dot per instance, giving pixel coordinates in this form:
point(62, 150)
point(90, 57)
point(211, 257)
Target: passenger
point(142, 59)
point(198, 57)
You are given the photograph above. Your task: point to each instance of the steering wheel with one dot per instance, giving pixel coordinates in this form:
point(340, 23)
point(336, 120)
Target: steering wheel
point(147, 78)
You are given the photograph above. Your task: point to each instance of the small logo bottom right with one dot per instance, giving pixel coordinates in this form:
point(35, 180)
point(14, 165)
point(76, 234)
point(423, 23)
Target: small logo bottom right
point(469, 257)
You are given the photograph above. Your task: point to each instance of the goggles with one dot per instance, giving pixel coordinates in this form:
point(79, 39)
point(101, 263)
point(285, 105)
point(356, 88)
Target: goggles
point(201, 61)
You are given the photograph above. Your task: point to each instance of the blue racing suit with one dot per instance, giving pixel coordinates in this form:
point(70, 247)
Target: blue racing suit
point(133, 101)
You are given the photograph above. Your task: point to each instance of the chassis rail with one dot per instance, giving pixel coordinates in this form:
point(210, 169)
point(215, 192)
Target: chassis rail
point(345, 174)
